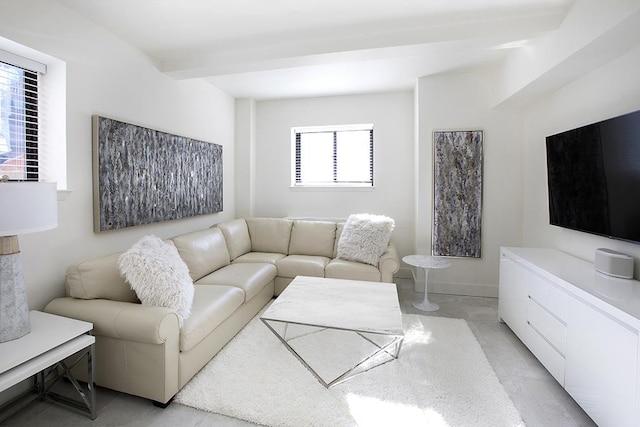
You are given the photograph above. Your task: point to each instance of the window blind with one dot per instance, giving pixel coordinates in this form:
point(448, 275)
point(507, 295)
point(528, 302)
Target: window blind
point(333, 155)
point(19, 122)
point(371, 156)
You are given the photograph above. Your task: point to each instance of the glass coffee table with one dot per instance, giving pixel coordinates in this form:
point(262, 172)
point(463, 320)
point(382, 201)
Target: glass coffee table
point(337, 328)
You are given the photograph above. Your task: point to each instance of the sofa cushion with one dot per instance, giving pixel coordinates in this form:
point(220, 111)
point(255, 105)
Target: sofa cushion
point(251, 278)
point(343, 269)
point(339, 228)
point(158, 275)
point(365, 237)
point(313, 238)
point(203, 251)
point(281, 284)
point(99, 278)
point(236, 234)
point(268, 257)
point(212, 305)
point(302, 265)
point(269, 234)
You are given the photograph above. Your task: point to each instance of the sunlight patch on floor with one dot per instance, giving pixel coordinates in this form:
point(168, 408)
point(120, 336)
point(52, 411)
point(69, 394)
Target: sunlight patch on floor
point(418, 335)
point(375, 412)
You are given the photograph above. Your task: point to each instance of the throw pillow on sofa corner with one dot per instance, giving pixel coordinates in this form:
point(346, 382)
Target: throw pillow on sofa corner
point(365, 237)
point(158, 275)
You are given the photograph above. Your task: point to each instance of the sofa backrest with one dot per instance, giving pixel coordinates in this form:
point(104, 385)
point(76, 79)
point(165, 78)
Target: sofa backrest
point(236, 234)
point(339, 227)
point(312, 238)
point(98, 279)
point(270, 234)
point(203, 251)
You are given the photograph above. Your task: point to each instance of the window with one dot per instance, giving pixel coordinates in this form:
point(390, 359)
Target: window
point(18, 122)
point(333, 156)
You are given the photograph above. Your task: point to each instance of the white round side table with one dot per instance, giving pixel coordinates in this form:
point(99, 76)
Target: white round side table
point(427, 263)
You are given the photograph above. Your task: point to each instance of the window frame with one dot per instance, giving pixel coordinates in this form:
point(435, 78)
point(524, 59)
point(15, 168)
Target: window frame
point(31, 117)
point(295, 156)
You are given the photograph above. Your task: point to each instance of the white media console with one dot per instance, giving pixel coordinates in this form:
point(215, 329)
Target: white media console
point(583, 326)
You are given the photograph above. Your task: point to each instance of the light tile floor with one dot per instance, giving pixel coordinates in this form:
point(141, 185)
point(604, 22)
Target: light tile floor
point(539, 398)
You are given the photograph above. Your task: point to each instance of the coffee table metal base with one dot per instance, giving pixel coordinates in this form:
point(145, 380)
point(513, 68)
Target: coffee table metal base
point(337, 328)
point(358, 351)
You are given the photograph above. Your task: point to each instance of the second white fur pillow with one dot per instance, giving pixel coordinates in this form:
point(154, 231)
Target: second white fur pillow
point(365, 237)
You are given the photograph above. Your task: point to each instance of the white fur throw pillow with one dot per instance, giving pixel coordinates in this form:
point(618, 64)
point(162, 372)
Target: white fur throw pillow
point(158, 275)
point(365, 237)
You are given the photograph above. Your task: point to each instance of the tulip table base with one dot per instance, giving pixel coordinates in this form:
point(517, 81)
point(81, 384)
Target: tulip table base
point(426, 262)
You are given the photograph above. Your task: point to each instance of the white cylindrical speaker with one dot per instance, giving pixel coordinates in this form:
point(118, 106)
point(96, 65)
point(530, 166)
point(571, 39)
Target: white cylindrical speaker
point(613, 263)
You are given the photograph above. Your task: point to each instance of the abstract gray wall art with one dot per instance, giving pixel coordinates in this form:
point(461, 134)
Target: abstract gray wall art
point(142, 176)
point(457, 216)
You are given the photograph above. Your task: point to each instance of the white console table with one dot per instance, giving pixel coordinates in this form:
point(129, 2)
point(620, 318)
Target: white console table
point(583, 326)
point(52, 339)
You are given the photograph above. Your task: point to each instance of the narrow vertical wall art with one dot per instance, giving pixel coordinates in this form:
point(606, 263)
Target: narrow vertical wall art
point(457, 204)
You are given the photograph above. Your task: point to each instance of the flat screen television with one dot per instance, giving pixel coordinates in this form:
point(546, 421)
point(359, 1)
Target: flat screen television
point(593, 177)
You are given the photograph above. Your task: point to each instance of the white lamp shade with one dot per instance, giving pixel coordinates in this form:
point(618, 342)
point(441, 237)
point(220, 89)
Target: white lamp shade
point(27, 207)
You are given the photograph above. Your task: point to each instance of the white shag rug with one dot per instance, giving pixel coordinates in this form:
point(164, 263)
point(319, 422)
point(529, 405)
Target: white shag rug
point(441, 378)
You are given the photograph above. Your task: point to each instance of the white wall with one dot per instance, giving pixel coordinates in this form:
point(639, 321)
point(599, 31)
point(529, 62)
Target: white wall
point(464, 101)
point(403, 167)
point(611, 90)
point(392, 117)
point(245, 139)
point(592, 34)
point(105, 76)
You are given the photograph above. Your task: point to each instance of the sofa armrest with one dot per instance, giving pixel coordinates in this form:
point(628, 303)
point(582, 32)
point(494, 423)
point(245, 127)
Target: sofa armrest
point(389, 263)
point(121, 320)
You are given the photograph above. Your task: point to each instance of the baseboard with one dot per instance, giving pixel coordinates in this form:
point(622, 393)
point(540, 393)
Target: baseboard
point(466, 289)
point(404, 273)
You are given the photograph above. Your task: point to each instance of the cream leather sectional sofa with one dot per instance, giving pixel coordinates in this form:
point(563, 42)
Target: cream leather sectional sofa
point(236, 266)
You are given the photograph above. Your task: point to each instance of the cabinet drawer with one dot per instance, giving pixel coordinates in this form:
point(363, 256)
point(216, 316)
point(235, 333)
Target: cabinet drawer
point(549, 327)
point(547, 355)
point(549, 296)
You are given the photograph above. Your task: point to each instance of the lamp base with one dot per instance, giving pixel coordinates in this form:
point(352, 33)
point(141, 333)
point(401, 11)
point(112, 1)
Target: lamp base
point(9, 245)
point(14, 307)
